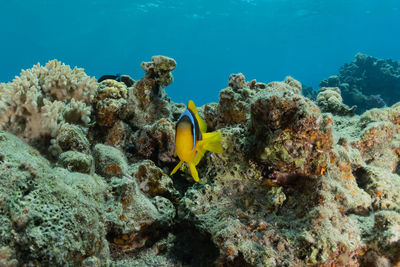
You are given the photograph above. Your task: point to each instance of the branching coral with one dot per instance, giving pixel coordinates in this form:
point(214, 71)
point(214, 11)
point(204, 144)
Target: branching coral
point(42, 98)
point(294, 185)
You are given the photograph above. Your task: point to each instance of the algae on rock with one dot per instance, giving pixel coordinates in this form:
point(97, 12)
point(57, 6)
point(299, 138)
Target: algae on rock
point(49, 216)
point(298, 183)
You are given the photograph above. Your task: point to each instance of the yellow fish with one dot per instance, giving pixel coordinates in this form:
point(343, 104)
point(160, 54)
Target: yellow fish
point(192, 140)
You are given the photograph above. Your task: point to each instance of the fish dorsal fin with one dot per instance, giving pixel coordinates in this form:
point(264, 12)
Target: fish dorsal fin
point(201, 122)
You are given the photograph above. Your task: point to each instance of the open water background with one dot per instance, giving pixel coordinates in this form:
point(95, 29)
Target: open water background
point(264, 39)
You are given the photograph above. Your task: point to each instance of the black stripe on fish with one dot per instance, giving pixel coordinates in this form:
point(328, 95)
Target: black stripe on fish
point(194, 128)
point(196, 125)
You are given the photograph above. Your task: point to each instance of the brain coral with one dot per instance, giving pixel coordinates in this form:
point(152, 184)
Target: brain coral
point(42, 98)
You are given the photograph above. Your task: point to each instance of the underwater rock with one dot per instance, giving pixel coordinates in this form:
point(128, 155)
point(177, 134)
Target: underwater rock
point(237, 81)
point(160, 67)
point(326, 212)
point(386, 234)
point(329, 99)
point(118, 135)
point(147, 100)
point(367, 82)
point(292, 135)
point(375, 134)
point(234, 162)
point(76, 162)
point(61, 216)
point(379, 184)
point(70, 137)
point(7, 257)
point(233, 106)
point(166, 209)
point(156, 141)
point(297, 183)
point(309, 92)
point(153, 181)
point(255, 227)
point(159, 254)
point(111, 104)
point(133, 220)
point(373, 259)
point(49, 216)
point(109, 161)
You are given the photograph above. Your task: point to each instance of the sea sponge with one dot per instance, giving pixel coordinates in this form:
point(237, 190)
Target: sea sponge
point(42, 98)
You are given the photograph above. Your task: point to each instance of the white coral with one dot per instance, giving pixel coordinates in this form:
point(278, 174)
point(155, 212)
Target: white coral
point(42, 98)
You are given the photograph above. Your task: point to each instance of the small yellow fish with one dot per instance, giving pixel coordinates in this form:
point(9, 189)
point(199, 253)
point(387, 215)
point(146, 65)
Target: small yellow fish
point(192, 140)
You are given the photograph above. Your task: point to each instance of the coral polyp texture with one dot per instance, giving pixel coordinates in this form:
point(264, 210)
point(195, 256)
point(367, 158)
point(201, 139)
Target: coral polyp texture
point(42, 98)
point(84, 173)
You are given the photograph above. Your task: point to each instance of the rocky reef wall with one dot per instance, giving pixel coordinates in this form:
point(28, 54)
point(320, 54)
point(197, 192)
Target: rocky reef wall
point(84, 175)
point(367, 82)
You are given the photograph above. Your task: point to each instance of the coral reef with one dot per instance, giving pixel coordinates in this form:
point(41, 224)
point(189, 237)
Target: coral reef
point(49, 216)
point(367, 82)
point(329, 99)
point(155, 141)
point(291, 134)
point(148, 101)
point(42, 99)
point(309, 92)
point(110, 102)
point(298, 183)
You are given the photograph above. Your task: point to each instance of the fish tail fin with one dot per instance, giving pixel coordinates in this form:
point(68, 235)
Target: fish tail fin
point(193, 171)
point(176, 167)
point(212, 142)
point(202, 123)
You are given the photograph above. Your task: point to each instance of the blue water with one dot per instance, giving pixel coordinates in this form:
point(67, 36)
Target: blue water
point(264, 39)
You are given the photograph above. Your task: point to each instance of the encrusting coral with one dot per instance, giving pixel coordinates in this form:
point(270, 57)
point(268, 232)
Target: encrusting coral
point(148, 101)
point(49, 216)
point(290, 133)
point(298, 183)
point(329, 99)
point(110, 102)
